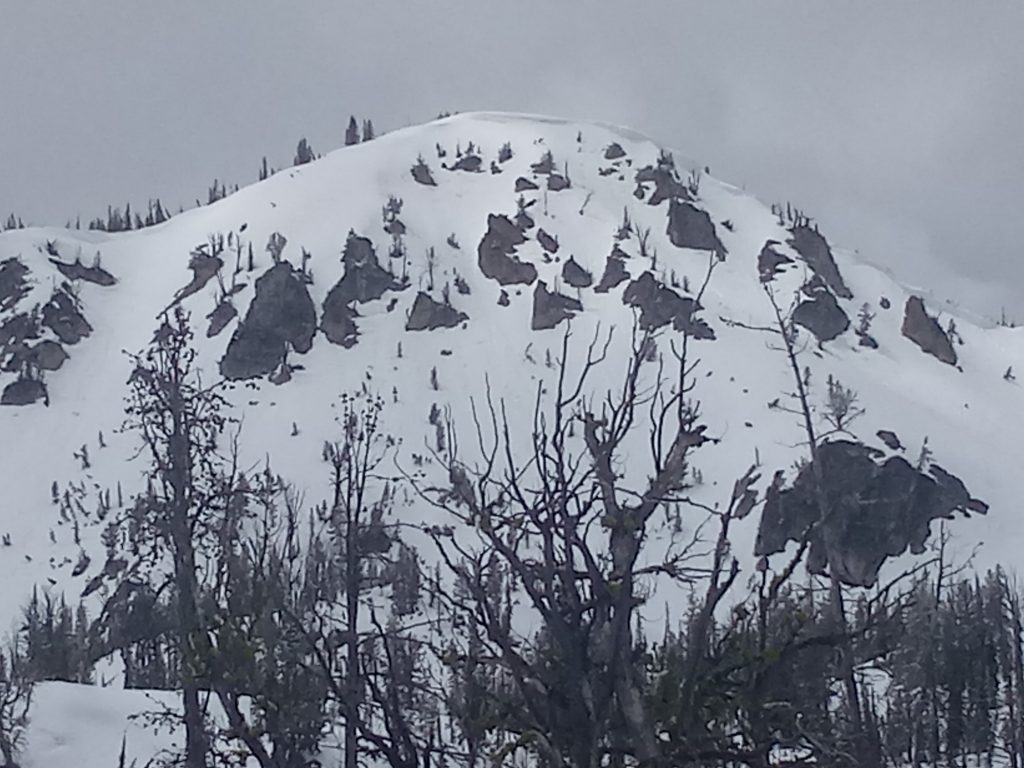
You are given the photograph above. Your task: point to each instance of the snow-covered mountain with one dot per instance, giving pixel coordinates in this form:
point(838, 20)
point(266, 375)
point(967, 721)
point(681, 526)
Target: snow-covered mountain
point(441, 259)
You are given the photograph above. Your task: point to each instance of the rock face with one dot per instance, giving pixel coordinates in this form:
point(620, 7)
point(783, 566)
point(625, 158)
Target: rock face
point(690, 227)
point(557, 182)
point(922, 329)
point(659, 305)
point(24, 392)
point(364, 280)
point(575, 275)
point(666, 185)
point(549, 309)
point(427, 314)
point(281, 314)
point(203, 267)
point(770, 262)
point(13, 283)
point(614, 271)
point(219, 318)
point(496, 253)
point(61, 315)
point(523, 184)
point(814, 249)
point(822, 315)
point(77, 271)
point(877, 510)
point(547, 242)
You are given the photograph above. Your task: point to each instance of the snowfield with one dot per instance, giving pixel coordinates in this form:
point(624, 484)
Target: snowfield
point(970, 413)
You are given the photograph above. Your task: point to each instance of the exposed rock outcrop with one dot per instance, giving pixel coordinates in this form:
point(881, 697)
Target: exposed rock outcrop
point(821, 314)
point(281, 314)
point(496, 253)
point(614, 151)
point(770, 262)
point(469, 163)
point(659, 305)
point(364, 279)
point(78, 271)
point(13, 283)
point(575, 275)
point(614, 271)
point(877, 509)
point(666, 185)
point(421, 173)
point(62, 316)
point(557, 182)
point(24, 392)
point(549, 309)
point(691, 227)
point(427, 314)
point(547, 242)
point(814, 249)
point(523, 184)
point(925, 331)
point(219, 318)
point(204, 267)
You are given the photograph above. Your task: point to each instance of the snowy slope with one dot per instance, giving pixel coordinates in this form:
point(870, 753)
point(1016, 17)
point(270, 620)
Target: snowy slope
point(970, 414)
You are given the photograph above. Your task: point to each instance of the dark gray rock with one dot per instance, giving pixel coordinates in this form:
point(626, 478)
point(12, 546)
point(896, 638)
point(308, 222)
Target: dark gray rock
point(575, 275)
point(47, 355)
point(427, 315)
point(557, 182)
point(338, 322)
point(545, 165)
point(78, 271)
point(219, 318)
point(922, 329)
point(822, 316)
point(547, 242)
point(469, 163)
point(614, 151)
point(496, 253)
point(691, 227)
point(890, 439)
point(13, 283)
point(364, 279)
point(614, 271)
point(523, 184)
point(877, 509)
point(549, 309)
point(770, 262)
point(24, 392)
point(62, 316)
point(422, 175)
point(503, 299)
point(17, 330)
point(281, 314)
point(815, 251)
point(659, 305)
point(666, 185)
point(203, 267)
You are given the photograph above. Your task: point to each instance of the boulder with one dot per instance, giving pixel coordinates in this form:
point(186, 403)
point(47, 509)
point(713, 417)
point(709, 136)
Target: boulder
point(24, 392)
point(62, 316)
point(822, 316)
point(575, 275)
point(614, 271)
point(78, 271)
point(13, 283)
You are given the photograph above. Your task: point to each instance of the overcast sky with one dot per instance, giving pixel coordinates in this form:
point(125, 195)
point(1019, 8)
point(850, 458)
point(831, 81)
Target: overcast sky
point(897, 124)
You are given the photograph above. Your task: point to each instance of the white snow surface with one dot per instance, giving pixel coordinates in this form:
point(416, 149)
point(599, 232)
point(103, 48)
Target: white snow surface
point(972, 417)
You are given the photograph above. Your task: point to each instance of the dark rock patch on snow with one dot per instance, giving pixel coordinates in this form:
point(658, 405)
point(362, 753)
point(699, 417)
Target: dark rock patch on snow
point(78, 271)
point(496, 253)
point(13, 283)
point(659, 305)
point(814, 249)
point(575, 275)
point(614, 271)
point(549, 309)
point(281, 315)
point(61, 314)
point(821, 314)
point(691, 227)
point(24, 392)
point(770, 262)
point(877, 509)
point(427, 315)
point(925, 331)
